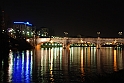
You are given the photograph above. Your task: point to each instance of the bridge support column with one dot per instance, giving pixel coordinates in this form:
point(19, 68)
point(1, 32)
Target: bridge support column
point(64, 46)
point(98, 43)
point(98, 46)
point(65, 43)
point(34, 41)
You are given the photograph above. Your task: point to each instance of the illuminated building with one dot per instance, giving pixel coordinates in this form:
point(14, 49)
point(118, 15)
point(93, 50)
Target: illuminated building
point(45, 32)
point(23, 29)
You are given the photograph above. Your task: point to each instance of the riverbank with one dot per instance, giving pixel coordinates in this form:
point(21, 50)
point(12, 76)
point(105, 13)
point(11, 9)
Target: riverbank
point(20, 45)
point(7, 43)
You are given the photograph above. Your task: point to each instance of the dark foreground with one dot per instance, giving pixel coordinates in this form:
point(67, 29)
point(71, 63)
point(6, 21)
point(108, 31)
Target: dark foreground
point(116, 77)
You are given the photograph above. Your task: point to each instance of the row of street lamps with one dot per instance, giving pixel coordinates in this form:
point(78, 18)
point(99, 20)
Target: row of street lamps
point(119, 33)
point(98, 33)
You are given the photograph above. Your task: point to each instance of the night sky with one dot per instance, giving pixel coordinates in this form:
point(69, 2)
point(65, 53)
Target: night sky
point(84, 17)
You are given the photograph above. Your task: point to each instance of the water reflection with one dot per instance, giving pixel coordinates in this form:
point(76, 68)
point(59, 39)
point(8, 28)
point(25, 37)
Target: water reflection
point(19, 67)
point(61, 65)
point(111, 59)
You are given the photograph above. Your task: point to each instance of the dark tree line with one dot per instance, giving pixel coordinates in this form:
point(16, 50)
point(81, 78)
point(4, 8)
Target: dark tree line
point(4, 38)
point(4, 44)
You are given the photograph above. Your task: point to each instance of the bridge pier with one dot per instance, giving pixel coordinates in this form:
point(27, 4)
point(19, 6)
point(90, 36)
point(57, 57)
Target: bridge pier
point(32, 41)
point(64, 46)
point(98, 43)
point(98, 46)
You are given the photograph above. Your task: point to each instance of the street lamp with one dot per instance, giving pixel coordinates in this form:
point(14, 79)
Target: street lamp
point(120, 33)
point(66, 33)
point(98, 33)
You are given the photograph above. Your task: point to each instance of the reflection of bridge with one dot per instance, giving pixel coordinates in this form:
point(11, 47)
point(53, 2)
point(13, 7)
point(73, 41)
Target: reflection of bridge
point(67, 41)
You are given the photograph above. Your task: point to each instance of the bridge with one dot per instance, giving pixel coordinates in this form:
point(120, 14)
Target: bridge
point(66, 41)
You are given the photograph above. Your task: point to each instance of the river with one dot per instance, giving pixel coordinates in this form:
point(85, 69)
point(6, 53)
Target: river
point(58, 65)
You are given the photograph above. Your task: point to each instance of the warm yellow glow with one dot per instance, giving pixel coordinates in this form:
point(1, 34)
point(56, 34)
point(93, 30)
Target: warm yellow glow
point(108, 43)
point(38, 46)
point(89, 56)
point(115, 41)
point(88, 42)
point(82, 62)
point(115, 61)
point(51, 41)
point(51, 65)
point(43, 40)
point(27, 40)
point(82, 41)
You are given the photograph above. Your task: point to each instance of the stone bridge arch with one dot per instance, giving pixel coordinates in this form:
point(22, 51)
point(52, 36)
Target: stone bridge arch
point(67, 41)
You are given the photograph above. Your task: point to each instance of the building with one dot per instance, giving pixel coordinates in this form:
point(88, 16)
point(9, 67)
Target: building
point(22, 29)
point(44, 32)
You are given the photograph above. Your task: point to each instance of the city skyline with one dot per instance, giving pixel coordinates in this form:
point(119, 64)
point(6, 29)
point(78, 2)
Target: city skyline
point(75, 17)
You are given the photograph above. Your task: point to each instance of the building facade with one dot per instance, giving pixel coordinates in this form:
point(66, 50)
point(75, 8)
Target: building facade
point(45, 32)
point(22, 30)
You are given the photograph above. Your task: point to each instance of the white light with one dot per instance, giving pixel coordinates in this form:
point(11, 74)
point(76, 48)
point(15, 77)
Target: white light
point(27, 40)
point(27, 23)
point(51, 41)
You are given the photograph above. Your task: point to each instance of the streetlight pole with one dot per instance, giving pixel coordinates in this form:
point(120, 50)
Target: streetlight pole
point(98, 41)
point(98, 33)
point(120, 35)
point(65, 40)
point(66, 33)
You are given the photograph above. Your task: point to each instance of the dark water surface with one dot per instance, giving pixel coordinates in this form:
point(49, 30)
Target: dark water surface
point(58, 65)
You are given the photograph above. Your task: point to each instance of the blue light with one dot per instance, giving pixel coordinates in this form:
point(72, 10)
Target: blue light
point(27, 23)
point(22, 67)
point(19, 22)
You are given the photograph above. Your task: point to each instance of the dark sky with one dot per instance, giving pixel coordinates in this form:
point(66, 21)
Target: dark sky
point(84, 17)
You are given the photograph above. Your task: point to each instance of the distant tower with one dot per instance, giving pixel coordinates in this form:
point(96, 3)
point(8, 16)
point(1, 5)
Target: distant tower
point(2, 21)
point(5, 21)
point(0, 16)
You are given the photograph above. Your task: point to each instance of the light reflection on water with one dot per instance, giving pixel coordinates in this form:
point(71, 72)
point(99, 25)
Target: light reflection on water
point(61, 65)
